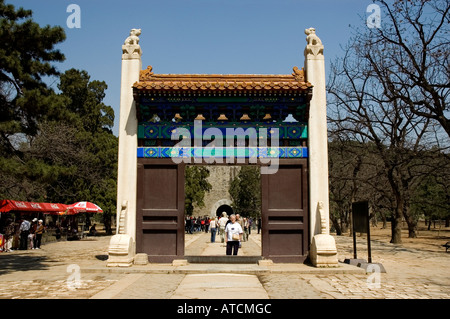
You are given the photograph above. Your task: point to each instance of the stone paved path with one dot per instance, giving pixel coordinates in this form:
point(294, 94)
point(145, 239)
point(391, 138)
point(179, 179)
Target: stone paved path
point(47, 273)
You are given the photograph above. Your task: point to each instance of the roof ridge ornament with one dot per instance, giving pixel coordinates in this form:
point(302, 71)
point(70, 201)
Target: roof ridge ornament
point(145, 75)
point(298, 74)
point(314, 45)
point(131, 48)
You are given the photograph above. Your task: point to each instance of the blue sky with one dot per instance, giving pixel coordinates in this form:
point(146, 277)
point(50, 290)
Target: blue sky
point(197, 36)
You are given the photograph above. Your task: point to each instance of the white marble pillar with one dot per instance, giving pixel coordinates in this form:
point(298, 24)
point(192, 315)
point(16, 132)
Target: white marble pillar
point(323, 251)
point(317, 131)
point(122, 245)
point(128, 127)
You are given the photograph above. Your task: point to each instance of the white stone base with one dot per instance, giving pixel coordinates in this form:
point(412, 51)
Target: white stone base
point(179, 262)
point(323, 252)
point(141, 259)
point(265, 262)
point(120, 251)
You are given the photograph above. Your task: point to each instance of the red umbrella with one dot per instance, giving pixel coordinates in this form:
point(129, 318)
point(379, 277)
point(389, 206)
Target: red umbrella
point(7, 205)
point(83, 207)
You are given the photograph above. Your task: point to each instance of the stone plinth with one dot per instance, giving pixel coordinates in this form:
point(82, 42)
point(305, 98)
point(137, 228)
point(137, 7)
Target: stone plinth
point(121, 251)
point(323, 252)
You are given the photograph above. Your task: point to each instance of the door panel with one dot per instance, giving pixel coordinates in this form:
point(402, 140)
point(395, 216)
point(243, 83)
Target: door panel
point(285, 212)
point(160, 210)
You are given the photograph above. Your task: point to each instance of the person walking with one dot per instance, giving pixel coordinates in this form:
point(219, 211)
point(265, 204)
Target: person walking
point(246, 228)
point(198, 224)
point(207, 223)
point(31, 235)
point(9, 235)
point(241, 222)
point(24, 231)
point(233, 236)
point(213, 226)
point(222, 223)
point(38, 234)
point(189, 225)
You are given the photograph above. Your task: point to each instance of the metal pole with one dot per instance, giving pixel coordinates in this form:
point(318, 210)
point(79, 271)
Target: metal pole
point(369, 250)
point(354, 245)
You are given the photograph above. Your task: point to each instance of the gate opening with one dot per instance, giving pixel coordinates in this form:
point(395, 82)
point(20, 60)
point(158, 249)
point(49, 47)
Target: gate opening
point(213, 192)
point(227, 209)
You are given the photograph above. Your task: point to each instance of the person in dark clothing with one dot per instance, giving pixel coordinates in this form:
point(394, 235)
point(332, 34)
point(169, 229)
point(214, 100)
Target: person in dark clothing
point(189, 225)
point(24, 230)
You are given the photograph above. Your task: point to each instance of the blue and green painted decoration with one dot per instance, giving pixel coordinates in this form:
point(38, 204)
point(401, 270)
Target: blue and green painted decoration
point(237, 152)
point(157, 116)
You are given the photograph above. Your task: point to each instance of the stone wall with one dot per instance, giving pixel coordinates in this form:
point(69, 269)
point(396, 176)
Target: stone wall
point(220, 179)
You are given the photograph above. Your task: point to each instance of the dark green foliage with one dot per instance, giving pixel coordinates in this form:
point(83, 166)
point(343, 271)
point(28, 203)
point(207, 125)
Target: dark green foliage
point(26, 56)
point(53, 147)
point(245, 191)
point(196, 184)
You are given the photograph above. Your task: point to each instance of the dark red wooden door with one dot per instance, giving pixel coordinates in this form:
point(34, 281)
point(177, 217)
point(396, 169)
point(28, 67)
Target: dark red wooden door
point(285, 212)
point(160, 210)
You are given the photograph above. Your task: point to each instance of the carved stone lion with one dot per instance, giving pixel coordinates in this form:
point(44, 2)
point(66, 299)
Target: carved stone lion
point(312, 38)
point(314, 44)
point(134, 37)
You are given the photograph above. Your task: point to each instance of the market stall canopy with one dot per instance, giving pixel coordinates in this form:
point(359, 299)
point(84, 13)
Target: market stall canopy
point(7, 205)
point(83, 207)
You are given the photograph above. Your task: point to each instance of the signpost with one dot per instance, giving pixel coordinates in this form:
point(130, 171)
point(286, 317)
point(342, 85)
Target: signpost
point(360, 223)
point(360, 218)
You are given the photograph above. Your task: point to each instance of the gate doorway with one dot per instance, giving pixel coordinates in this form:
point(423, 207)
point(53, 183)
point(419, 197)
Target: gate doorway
point(274, 117)
point(249, 120)
point(160, 224)
point(212, 194)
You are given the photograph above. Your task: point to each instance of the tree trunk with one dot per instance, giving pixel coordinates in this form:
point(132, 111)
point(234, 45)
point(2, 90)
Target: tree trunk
point(411, 222)
point(107, 224)
point(412, 231)
point(396, 227)
point(336, 225)
point(384, 222)
point(344, 224)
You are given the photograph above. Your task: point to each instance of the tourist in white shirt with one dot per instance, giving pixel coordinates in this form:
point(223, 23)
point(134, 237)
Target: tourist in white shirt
point(222, 223)
point(233, 236)
point(24, 231)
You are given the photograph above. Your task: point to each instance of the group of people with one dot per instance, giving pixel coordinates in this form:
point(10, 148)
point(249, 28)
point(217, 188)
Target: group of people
point(30, 234)
point(233, 230)
point(197, 224)
point(26, 232)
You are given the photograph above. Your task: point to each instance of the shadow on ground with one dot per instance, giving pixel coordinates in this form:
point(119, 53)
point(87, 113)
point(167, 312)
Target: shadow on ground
point(102, 257)
point(22, 262)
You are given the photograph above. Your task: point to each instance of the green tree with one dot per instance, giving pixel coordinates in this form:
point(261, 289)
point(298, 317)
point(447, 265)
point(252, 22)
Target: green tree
point(54, 147)
point(27, 55)
point(245, 191)
point(196, 184)
point(431, 197)
point(93, 173)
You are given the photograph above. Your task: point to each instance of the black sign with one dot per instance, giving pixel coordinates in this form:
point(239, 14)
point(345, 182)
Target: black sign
point(360, 214)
